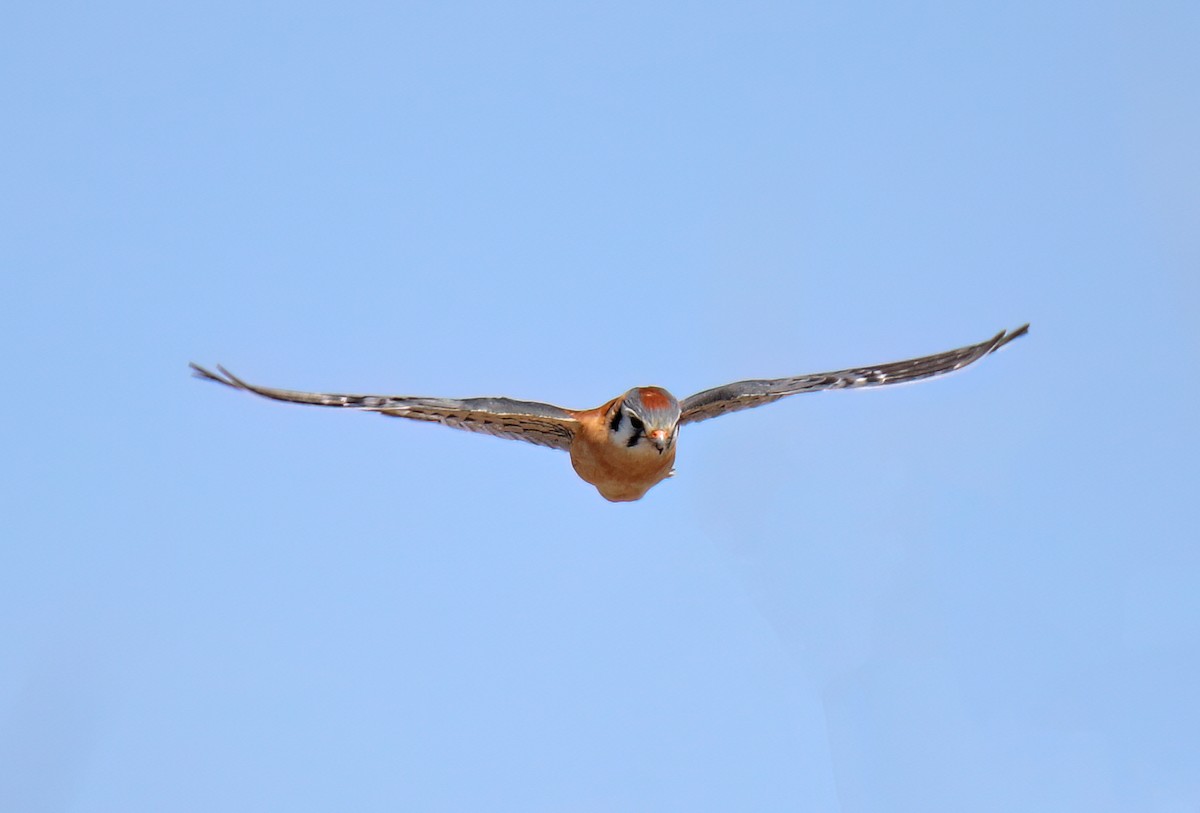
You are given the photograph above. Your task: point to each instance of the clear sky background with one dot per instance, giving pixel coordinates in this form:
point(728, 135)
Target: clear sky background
point(977, 593)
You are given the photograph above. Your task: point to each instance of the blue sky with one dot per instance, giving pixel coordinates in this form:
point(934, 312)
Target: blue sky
point(978, 593)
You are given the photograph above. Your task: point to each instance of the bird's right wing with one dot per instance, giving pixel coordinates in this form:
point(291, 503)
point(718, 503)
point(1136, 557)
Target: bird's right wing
point(530, 421)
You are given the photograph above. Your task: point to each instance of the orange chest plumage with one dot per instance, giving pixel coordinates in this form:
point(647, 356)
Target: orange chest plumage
point(619, 473)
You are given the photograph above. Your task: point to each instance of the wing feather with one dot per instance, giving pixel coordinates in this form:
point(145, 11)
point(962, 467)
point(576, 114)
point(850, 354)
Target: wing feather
point(747, 394)
point(530, 421)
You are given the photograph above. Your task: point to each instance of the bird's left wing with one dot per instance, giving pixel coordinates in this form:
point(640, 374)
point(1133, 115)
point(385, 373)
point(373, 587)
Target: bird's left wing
point(747, 394)
point(530, 421)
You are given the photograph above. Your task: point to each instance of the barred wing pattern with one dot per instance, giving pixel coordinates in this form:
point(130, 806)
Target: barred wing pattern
point(530, 421)
point(747, 394)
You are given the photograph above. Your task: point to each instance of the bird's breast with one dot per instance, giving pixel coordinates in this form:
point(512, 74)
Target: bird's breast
point(620, 474)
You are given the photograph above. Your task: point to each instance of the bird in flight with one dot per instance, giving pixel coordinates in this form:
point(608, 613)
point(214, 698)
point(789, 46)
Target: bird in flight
point(626, 446)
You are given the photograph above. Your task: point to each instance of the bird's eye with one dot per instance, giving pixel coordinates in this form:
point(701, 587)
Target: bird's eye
point(636, 423)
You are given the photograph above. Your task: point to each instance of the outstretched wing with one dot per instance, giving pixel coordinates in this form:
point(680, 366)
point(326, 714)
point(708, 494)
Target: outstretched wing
point(747, 394)
point(533, 422)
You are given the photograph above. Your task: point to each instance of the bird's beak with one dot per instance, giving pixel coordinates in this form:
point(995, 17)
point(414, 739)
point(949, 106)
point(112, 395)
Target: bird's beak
point(660, 439)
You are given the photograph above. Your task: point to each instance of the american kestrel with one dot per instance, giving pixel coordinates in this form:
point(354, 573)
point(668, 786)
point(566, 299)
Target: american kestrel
point(627, 445)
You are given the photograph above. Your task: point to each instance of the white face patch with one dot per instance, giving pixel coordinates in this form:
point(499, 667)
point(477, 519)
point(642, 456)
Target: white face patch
point(627, 430)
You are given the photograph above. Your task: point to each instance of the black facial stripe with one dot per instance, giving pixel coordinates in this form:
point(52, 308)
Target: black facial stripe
point(615, 423)
point(639, 429)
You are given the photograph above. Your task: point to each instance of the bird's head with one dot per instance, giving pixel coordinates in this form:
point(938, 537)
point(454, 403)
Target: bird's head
point(646, 418)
